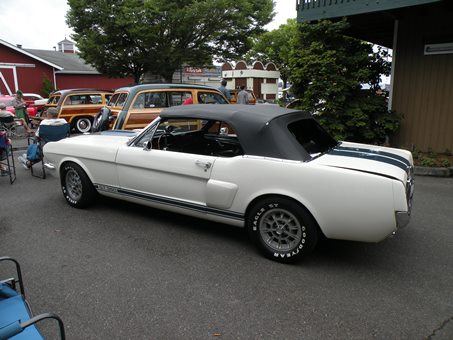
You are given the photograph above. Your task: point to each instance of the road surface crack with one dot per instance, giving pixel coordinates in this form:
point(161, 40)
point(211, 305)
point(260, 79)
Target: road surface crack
point(442, 326)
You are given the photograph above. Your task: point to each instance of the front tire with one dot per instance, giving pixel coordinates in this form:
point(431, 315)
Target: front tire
point(83, 125)
point(77, 188)
point(283, 230)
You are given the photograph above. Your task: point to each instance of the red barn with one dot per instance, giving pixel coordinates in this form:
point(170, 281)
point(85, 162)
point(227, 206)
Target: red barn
point(28, 69)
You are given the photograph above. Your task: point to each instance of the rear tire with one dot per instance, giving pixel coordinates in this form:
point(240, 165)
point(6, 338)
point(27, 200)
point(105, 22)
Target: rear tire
point(282, 229)
point(77, 188)
point(83, 125)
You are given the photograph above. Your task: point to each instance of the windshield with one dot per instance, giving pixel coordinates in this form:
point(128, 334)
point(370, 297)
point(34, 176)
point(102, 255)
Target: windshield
point(53, 100)
point(146, 134)
point(117, 100)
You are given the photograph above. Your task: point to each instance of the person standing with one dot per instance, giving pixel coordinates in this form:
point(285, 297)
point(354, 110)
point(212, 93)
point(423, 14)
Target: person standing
point(224, 90)
point(20, 106)
point(243, 96)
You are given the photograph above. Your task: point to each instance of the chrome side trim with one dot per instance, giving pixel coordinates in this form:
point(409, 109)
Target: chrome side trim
point(50, 166)
point(170, 202)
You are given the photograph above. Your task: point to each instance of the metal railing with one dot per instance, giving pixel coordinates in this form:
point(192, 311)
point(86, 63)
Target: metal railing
point(323, 9)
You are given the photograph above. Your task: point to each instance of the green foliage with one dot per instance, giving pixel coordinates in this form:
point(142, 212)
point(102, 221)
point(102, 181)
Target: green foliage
point(431, 153)
point(445, 163)
point(429, 162)
point(132, 37)
point(415, 153)
point(447, 152)
point(328, 70)
point(47, 87)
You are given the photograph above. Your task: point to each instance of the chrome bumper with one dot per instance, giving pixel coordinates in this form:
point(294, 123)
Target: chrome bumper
point(50, 166)
point(402, 218)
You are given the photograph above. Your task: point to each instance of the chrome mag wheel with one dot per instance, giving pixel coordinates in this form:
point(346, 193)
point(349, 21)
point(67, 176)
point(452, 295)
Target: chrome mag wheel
point(280, 230)
point(74, 185)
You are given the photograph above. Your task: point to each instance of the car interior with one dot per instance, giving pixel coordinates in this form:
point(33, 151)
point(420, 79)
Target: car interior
point(202, 137)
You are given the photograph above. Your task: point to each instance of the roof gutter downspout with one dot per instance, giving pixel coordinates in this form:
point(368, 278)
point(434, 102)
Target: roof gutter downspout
point(54, 79)
point(392, 72)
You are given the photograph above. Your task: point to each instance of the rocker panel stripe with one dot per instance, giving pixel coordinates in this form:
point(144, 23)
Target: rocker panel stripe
point(169, 201)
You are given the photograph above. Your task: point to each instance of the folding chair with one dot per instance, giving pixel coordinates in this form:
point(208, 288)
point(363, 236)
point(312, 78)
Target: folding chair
point(7, 156)
point(10, 126)
point(16, 318)
point(48, 133)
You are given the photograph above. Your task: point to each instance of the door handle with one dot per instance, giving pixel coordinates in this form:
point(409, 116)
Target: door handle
point(204, 165)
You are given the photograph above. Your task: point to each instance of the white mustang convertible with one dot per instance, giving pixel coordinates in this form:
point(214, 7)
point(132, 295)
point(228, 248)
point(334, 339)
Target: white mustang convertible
point(273, 171)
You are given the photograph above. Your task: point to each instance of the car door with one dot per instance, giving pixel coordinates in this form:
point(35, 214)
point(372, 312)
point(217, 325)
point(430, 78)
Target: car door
point(165, 176)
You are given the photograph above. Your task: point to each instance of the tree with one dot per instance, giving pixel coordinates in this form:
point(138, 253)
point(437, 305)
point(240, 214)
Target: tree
point(328, 74)
point(276, 46)
point(47, 86)
point(132, 37)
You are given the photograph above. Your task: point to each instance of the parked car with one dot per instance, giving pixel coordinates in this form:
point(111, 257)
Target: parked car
point(134, 107)
point(78, 106)
point(280, 175)
point(234, 94)
point(8, 100)
point(35, 100)
point(266, 102)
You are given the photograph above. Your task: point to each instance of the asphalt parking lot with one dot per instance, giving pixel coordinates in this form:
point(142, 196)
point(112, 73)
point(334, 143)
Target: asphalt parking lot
point(122, 271)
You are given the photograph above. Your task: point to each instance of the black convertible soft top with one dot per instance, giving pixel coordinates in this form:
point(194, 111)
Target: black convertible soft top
point(255, 115)
point(262, 130)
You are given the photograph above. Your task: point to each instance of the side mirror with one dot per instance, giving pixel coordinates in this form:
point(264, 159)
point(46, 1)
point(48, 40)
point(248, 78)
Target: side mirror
point(147, 146)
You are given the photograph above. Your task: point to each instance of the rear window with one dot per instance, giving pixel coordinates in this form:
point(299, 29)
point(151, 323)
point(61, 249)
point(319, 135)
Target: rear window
point(177, 98)
point(210, 98)
point(83, 99)
point(311, 136)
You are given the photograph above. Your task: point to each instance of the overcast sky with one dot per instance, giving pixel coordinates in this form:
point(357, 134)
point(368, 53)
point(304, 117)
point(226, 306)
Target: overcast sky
point(41, 24)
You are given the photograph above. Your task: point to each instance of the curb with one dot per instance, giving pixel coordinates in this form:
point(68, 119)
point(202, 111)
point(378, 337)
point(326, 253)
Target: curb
point(435, 172)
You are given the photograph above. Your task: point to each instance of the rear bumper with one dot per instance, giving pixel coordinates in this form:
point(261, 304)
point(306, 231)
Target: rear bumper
point(402, 218)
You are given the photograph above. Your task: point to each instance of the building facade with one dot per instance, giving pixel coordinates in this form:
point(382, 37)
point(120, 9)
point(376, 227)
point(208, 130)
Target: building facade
point(420, 33)
point(27, 70)
point(259, 78)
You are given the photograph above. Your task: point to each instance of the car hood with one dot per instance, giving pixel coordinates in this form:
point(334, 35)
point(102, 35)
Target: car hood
point(111, 138)
point(384, 161)
point(102, 146)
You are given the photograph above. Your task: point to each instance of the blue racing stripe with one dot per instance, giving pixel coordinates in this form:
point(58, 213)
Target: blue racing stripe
point(351, 152)
point(383, 153)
